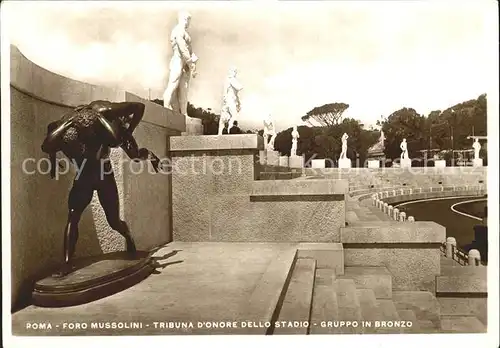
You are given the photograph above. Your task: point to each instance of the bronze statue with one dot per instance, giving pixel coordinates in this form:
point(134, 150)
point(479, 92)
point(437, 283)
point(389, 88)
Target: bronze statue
point(85, 136)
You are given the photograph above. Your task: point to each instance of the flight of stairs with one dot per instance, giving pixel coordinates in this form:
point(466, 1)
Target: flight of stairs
point(318, 300)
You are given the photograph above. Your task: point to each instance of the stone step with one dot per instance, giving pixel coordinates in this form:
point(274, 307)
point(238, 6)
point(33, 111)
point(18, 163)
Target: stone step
point(388, 314)
point(461, 324)
point(327, 255)
point(270, 290)
point(369, 308)
point(448, 262)
point(298, 297)
point(407, 315)
point(324, 304)
point(427, 326)
point(423, 303)
point(325, 276)
point(465, 306)
point(379, 279)
point(351, 216)
point(349, 309)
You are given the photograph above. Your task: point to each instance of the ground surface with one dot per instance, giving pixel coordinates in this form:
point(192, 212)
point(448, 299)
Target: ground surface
point(458, 226)
point(196, 283)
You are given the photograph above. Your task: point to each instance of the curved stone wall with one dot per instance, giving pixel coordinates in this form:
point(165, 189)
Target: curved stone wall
point(38, 203)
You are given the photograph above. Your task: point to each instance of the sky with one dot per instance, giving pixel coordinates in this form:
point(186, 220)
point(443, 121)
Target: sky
point(291, 56)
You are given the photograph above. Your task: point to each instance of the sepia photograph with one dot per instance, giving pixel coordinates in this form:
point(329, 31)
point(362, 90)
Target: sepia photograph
point(318, 171)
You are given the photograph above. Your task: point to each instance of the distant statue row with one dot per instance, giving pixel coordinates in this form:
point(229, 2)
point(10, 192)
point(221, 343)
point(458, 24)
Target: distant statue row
point(404, 149)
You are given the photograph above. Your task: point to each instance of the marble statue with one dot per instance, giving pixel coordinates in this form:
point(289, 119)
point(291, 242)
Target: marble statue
point(477, 147)
point(295, 137)
point(343, 154)
point(269, 130)
point(404, 149)
point(231, 101)
point(182, 66)
point(85, 136)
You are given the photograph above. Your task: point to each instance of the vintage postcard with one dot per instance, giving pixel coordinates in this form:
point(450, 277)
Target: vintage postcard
point(217, 172)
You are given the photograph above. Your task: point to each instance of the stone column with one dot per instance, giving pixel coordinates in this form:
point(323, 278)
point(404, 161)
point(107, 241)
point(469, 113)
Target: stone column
point(474, 257)
point(395, 215)
point(451, 243)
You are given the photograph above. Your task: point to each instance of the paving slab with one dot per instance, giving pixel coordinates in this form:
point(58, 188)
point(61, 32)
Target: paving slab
point(198, 288)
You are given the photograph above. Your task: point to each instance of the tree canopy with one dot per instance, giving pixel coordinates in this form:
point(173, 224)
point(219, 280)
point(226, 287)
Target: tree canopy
point(326, 115)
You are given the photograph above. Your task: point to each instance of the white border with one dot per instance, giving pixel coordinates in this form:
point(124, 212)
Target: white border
point(482, 340)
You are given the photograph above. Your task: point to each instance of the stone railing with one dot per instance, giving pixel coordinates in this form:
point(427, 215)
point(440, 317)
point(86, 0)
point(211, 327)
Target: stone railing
point(448, 248)
point(382, 200)
point(452, 251)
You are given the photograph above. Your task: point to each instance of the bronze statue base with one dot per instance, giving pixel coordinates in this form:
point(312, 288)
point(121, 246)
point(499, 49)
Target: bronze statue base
point(93, 278)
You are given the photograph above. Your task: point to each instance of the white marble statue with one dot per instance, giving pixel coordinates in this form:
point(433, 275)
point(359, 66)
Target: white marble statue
point(343, 154)
point(404, 149)
point(182, 66)
point(269, 130)
point(381, 140)
point(295, 137)
point(477, 147)
point(231, 101)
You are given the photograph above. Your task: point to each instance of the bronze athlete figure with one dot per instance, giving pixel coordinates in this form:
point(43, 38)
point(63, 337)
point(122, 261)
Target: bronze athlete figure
point(85, 136)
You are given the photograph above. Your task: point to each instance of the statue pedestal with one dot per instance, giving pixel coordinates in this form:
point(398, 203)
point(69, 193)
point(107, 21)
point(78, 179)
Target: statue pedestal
point(440, 163)
point(296, 161)
point(344, 163)
point(262, 157)
point(318, 163)
point(373, 164)
point(93, 278)
point(194, 126)
point(271, 158)
point(283, 161)
point(477, 162)
point(405, 163)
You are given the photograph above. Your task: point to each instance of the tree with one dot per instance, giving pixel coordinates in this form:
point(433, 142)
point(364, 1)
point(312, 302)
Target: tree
point(326, 115)
point(405, 123)
point(325, 142)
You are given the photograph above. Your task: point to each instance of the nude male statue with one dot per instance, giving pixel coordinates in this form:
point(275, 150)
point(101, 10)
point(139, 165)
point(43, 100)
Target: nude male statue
point(231, 101)
point(269, 130)
point(182, 66)
point(477, 147)
point(404, 149)
point(85, 136)
point(343, 154)
point(295, 137)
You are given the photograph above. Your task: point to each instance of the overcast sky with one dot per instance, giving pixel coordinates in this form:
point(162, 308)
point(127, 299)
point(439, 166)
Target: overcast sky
point(375, 56)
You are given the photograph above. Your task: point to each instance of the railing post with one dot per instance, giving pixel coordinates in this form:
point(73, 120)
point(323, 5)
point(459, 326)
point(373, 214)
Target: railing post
point(450, 244)
point(411, 219)
point(474, 257)
point(395, 215)
point(402, 216)
point(386, 208)
point(390, 211)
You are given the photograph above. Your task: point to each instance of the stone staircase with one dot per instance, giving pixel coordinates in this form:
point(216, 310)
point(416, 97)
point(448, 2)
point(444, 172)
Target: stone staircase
point(360, 300)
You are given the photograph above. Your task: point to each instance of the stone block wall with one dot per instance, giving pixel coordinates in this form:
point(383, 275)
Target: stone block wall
point(217, 197)
point(410, 251)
